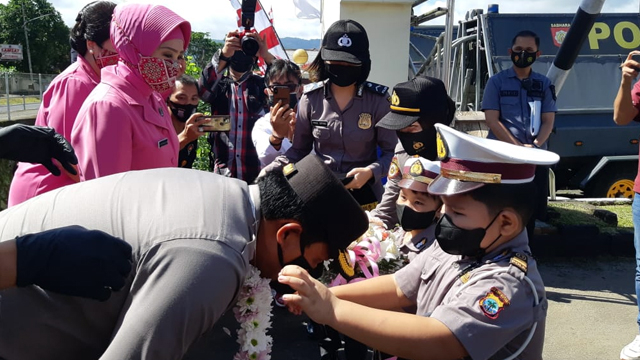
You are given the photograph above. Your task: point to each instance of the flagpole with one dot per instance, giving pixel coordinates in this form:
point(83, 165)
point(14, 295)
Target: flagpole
point(274, 31)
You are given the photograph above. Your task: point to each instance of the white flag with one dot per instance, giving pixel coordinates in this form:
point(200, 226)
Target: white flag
point(307, 9)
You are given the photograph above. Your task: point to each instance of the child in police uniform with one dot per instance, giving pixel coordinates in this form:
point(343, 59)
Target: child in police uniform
point(478, 291)
point(416, 208)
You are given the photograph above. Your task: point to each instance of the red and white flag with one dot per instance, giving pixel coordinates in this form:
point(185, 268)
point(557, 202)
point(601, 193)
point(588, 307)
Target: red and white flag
point(262, 24)
point(271, 15)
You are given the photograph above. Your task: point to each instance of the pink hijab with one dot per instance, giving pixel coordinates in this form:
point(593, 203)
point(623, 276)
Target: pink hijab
point(141, 28)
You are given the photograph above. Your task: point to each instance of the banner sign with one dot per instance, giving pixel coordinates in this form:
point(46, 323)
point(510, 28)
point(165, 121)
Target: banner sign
point(10, 52)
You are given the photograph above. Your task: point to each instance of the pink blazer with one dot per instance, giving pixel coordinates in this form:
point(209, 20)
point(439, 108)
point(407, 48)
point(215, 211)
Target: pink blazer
point(60, 105)
point(123, 125)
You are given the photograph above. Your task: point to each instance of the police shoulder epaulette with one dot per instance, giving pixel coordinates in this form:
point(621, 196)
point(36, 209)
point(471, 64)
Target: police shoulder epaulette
point(376, 88)
point(521, 261)
point(313, 86)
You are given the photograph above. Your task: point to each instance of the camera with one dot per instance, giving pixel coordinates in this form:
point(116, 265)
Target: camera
point(249, 45)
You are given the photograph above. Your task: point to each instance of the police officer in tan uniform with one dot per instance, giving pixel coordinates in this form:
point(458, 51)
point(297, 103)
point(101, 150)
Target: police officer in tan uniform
point(478, 292)
point(415, 106)
point(337, 115)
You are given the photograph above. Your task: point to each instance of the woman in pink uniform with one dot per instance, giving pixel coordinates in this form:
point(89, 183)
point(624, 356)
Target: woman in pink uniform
point(66, 93)
point(124, 124)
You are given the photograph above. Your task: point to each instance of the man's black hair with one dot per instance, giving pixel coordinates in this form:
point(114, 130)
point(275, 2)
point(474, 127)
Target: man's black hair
point(185, 79)
point(497, 197)
point(527, 33)
point(279, 68)
point(279, 201)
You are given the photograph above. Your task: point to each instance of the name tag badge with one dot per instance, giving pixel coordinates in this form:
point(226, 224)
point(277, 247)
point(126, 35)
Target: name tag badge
point(163, 142)
point(322, 123)
point(509, 93)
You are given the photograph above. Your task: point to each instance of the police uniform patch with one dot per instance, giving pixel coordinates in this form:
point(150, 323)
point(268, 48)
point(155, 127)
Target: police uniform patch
point(493, 303)
point(421, 243)
point(376, 88)
point(441, 148)
point(394, 169)
point(364, 121)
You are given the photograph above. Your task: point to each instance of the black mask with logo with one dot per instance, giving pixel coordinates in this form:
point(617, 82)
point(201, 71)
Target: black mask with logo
point(412, 220)
point(457, 241)
point(241, 62)
point(418, 143)
point(343, 75)
point(182, 112)
point(523, 59)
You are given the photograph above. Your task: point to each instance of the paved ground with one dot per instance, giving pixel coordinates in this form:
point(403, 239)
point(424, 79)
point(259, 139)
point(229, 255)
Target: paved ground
point(591, 315)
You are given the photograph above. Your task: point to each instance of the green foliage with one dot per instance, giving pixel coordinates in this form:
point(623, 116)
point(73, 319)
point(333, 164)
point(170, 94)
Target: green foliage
point(204, 148)
point(7, 69)
point(201, 48)
point(47, 33)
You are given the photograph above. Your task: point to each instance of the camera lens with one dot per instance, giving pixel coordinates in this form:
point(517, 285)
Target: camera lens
point(250, 45)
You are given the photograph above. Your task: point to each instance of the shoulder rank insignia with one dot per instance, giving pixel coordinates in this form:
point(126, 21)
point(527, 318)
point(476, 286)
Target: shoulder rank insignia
point(313, 86)
point(520, 261)
point(376, 88)
point(493, 303)
point(289, 170)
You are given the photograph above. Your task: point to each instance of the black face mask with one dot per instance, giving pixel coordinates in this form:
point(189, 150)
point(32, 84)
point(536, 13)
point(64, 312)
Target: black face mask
point(416, 143)
point(300, 261)
point(411, 219)
point(182, 112)
point(523, 59)
point(240, 62)
point(342, 75)
point(456, 241)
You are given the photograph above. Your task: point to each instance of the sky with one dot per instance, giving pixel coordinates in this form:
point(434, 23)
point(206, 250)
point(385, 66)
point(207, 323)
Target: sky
point(217, 17)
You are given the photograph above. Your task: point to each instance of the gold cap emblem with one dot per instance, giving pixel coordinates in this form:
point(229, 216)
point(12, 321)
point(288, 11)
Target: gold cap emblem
point(395, 100)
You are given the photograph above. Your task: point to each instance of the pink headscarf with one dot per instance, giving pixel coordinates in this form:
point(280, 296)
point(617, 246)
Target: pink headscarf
point(141, 28)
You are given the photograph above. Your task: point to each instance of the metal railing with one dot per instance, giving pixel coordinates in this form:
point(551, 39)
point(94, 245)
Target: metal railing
point(19, 94)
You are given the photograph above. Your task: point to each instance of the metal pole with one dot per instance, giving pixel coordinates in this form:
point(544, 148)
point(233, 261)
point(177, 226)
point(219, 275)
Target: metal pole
point(6, 84)
point(26, 38)
point(448, 37)
point(40, 85)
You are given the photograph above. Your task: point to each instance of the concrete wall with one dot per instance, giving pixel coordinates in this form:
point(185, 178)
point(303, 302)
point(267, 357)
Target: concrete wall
point(387, 23)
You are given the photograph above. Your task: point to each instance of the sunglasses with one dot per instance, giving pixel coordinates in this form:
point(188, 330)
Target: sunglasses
point(291, 87)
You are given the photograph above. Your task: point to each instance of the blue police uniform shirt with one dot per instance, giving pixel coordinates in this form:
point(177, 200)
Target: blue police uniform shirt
point(504, 92)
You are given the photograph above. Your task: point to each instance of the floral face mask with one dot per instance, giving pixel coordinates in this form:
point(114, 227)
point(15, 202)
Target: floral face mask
point(106, 58)
point(160, 74)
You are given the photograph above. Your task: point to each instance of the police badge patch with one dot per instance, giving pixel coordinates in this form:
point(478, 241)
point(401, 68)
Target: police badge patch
point(493, 303)
point(394, 170)
point(364, 121)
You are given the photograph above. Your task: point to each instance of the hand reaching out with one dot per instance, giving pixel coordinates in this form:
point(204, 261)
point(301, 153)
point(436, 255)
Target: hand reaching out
point(311, 296)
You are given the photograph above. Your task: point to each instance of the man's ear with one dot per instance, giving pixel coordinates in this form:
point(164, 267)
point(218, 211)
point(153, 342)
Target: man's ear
point(510, 223)
point(288, 235)
point(266, 91)
point(538, 53)
point(510, 51)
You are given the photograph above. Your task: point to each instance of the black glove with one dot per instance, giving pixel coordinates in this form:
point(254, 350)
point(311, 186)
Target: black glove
point(73, 261)
point(37, 144)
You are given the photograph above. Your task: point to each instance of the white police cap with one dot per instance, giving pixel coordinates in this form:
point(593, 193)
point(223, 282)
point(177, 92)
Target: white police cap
point(468, 162)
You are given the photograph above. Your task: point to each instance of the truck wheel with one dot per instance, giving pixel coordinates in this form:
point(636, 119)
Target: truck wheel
point(613, 182)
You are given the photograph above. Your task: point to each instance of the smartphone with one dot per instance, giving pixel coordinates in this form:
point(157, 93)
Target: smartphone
point(347, 180)
point(281, 93)
point(215, 123)
point(636, 58)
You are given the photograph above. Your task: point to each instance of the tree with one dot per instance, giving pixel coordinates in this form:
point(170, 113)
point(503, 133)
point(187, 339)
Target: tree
point(201, 48)
point(48, 35)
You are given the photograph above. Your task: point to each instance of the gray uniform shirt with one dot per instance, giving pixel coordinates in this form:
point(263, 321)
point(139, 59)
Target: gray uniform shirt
point(493, 316)
point(344, 139)
point(192, 234)
point(386, 209)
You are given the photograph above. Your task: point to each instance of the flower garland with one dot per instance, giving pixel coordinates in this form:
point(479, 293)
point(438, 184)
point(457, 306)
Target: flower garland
point(375, 253)
point(253, 312)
